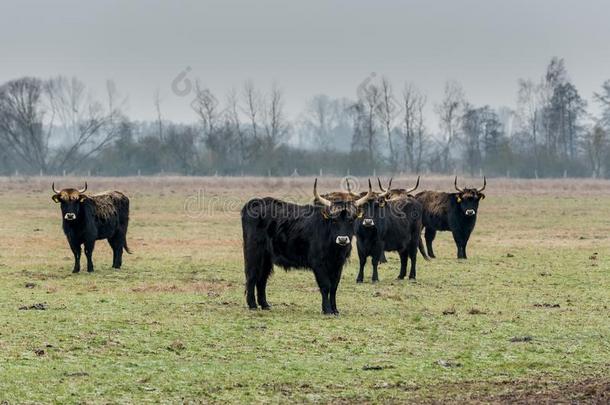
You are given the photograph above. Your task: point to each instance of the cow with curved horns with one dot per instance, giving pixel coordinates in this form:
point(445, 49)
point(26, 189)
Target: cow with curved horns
point(455, 212)
point(314, 236)
point(389, 223)
point(87, 218)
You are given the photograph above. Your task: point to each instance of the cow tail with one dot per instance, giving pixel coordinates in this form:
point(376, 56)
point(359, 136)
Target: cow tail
point(422, 249)
point(126, 210)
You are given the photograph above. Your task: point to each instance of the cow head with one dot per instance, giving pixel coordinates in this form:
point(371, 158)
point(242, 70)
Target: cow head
point(70, 200)
point(374, 211)
point(467, 199)
point(339, 215)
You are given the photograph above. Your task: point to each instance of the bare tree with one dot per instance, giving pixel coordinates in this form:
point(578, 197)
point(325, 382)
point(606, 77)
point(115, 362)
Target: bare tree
point(157, 103)
point(234, 121)
point(603, 98)
point(252, 106)
point(449, 112)
point(206, 107)
point(21, 121)
point(369, 102)
point(387, 111)
point(319, 119)
point(530, 104)
point(596, 143)
point(414, 130)
point(274, 121)
point(86, 126)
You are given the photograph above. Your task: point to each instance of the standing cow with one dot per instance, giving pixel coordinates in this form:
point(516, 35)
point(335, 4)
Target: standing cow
point(455, 212)
point(316, 236)
point(389, 224)
point(87, 218)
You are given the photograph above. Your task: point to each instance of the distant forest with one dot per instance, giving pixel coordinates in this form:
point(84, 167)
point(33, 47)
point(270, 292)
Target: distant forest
point(53, 126)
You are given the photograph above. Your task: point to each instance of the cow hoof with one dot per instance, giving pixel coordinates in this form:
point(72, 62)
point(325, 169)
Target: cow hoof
point(400, 278)
point(266, 307)
point(375, 280)
point(359, 281)
point(76, 271)
point(253, 308)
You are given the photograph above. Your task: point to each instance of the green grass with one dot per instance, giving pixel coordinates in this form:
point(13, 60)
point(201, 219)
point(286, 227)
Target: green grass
point(172, 325)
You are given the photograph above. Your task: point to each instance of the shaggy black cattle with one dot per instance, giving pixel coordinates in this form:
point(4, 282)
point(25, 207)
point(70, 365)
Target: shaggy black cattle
point(316, 236)
point(455, 212)
point(87, 218)
point(389, 224)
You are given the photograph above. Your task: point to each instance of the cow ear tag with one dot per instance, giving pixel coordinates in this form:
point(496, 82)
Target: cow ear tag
point(325, 214)
point(55, 198)
point(459, 199)
point(82, 198)
point(360, 214)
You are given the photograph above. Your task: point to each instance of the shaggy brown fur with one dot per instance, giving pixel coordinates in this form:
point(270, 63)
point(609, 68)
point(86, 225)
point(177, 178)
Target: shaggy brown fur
point(105, 203)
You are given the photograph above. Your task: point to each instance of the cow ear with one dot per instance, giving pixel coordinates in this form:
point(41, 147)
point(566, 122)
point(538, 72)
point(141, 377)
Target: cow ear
point(382, 202)
point(325, 214)
point(82, 198)
point(481, 196)
point(55, 198)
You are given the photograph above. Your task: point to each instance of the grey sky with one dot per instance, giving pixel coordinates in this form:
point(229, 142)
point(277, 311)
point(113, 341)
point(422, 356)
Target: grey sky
point(307, 47)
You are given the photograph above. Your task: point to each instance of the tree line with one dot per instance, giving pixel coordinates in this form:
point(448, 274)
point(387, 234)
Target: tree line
point(54, 126)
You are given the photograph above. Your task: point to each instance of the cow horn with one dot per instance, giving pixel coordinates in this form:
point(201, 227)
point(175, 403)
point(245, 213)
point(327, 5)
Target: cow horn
point(317, 197)
point(484, 184)
point(364, 199)
point(414, 188)
point(53, 187)
point(349, 189)
point(380, 186)
point(456, 187)
point(84, 189)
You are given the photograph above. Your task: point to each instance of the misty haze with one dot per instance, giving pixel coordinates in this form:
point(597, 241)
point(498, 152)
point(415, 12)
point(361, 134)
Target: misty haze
point(304, 202)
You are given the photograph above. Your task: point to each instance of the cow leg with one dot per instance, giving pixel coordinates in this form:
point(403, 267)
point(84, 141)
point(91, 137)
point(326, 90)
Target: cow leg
point(362, 257)
point(253, 252)
point(377, 257)
point(325, 286)
point(117, 243)
point(461, 246)
point(413, 256)
point(261, 283)
point(430, 234)
point(89, 245)
point(333, 293)
point(76, 250)
point(404, 258)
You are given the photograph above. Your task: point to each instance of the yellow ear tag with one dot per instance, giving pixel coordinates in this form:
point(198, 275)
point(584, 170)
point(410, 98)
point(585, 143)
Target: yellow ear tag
point(325, 214)
point(382, 203)
point(360, 214)
point(55, 198)
point(82, 198)
point(459, 200)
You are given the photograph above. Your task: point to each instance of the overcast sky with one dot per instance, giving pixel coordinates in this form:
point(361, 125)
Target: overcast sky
point(307, 47)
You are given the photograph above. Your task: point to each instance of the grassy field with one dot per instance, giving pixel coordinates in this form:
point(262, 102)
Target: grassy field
point(526, 317)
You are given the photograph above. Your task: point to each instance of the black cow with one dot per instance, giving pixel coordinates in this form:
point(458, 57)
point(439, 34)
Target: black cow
point(87, 218)
point(455, 212)
point(315, 236)
point(389, 224)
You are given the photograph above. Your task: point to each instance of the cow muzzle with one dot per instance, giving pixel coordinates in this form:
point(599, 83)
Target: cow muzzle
point(70, 216)
point(470, 213)
point(342, 240)
point(368, 222)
